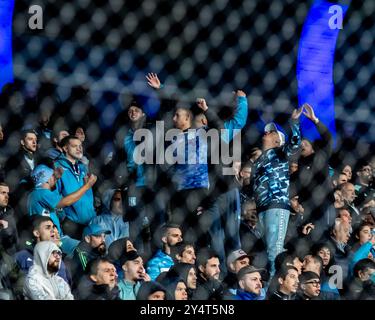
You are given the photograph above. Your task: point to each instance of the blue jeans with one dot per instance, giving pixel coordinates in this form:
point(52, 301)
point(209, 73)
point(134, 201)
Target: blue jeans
point(274, 224)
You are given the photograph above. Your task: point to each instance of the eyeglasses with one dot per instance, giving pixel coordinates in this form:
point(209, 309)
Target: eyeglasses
point(56, 253)
point(314, 283)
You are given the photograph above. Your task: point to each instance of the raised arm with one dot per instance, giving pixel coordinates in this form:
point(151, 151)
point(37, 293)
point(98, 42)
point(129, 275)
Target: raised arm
point(294, 142)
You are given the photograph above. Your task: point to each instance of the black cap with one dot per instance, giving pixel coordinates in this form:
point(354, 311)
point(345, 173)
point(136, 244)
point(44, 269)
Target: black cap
point(129, 256)
point(248, 269)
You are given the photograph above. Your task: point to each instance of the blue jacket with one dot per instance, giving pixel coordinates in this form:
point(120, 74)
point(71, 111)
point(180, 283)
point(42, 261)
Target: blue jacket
point(237, 122)
point(271, 174)
point(83, 210)
point(113, 222)
point(43, 202)
point(243, 295)
point(159, 263)
point(129, 290)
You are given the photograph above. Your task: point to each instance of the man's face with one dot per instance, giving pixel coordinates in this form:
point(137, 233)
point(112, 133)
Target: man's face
point(106, 274)
point(311, 288)
point(4, 196)
point(135, 113)
point(240, 263)
point(1, 133)
point(97, 242)
point(245, 174)
point(30, 142)
point(249, 214)
point(134, 269)
point(188, 255)
point(306, 148)
point(289, 285)
point(343, 178)
point(212, 269)
point(192, 279)
point(339, 201)
point(173, 237)
point(180, 292)
point(181, 119)
point(365, 174)
point(54, 261)
point(252, 283)
point(309, 264)
point(325, 254)
point(73, 149)
point(341, 233)
point(45, 231)
point(345, 216)
point(348, 192)
point(116, 204)
point(271, 139)
point(366, 275)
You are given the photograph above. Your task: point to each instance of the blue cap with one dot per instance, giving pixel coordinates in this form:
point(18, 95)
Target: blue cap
point(41, 174)
point(95, 230)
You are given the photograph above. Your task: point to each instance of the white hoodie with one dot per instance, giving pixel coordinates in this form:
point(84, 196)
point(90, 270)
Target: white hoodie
point(39, 283)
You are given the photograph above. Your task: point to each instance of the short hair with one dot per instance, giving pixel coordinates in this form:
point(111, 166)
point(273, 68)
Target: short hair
point(66, 140)
point(317, 259)
point(165, 228)
point(187, 110)
point(37, 220)
point(3, 184)
point(283, 272)
point(360, 164)
point(363, 265)
point(25, 132)
point(204, 255)
point(180, 247)
point(247, 164)
point(358, 228)
point(93, 265)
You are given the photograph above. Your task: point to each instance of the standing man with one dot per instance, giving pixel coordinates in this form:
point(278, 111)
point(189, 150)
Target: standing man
point(75, 176)
point(271, 184)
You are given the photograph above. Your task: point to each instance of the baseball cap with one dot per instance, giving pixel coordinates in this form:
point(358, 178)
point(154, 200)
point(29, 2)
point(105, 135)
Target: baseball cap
point(272, 127)
point(41, 174)
point(95, 230)
point(129, 256)
point(248, 269)
point(235, 255)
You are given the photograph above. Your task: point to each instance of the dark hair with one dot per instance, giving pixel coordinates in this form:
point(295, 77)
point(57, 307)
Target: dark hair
point(318, 259)
point(3, 184)
point(92, 266)
point(363, 265)
point(179, 248)
point(148, 288)
point(204, 255)
point(26, 131)
point(164, 229)
point(358, 228)
point(37, 220)
point(66, 140)
point(283, 272)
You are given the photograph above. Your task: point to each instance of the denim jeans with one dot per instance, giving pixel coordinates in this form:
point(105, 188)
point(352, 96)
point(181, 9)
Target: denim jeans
point(274, 224)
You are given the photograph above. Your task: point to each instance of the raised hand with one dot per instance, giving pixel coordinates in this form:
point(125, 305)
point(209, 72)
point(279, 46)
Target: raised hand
point(309, 112)
point(91, 179)
point(240, 93)
point(202, 104)
point(297, 113)
point(153, 80)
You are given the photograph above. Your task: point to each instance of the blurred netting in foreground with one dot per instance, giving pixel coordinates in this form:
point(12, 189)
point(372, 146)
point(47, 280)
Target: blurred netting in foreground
point(197, 49)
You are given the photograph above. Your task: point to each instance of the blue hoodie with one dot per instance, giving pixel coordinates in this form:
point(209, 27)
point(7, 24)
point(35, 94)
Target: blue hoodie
point(111, 221)
point(83, 210)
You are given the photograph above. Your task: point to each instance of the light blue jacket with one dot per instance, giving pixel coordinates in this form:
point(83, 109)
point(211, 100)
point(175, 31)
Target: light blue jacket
point(159, 263)
point(83, 210)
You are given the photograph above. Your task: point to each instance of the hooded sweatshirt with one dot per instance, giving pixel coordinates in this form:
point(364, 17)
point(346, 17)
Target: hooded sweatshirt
point(39, 283)
point(72, 179)
point(111, 221)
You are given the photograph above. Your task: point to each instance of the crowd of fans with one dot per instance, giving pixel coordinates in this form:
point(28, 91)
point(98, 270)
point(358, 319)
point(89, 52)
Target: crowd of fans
point(77, 222)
